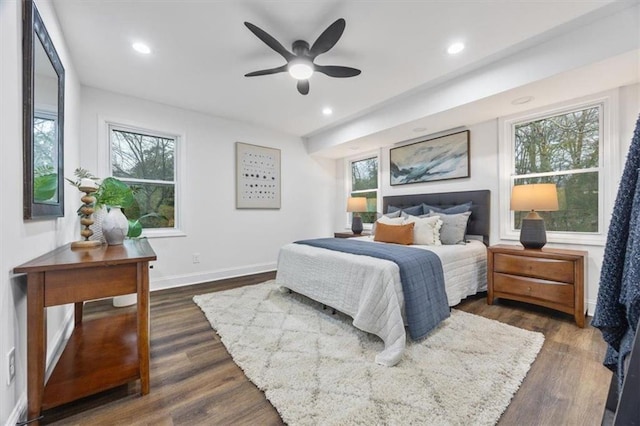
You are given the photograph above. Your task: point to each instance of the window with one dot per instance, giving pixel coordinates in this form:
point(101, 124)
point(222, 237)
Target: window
point(146, 161)
point(364, 183)
point(562, 149)
point(566, 147)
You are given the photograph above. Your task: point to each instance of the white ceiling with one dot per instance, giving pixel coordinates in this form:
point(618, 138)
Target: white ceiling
point(201, 50)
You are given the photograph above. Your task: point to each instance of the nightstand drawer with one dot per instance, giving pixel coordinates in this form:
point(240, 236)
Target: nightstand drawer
point(546, 269)
point(530, 287)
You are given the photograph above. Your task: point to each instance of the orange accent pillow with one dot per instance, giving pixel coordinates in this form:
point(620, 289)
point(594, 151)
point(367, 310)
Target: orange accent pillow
point(397, 234)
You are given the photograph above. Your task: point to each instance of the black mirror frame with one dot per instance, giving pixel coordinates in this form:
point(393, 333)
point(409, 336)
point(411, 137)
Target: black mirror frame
point(33, 31)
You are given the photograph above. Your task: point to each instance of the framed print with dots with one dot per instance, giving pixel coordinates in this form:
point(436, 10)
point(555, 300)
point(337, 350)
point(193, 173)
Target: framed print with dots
point(257, 177)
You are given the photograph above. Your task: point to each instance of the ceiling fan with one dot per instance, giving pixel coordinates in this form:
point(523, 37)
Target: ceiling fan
point(300, 63)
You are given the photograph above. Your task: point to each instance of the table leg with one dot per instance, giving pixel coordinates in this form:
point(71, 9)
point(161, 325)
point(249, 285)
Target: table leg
point(143, 325)
point(79, 307)
point(36, 344)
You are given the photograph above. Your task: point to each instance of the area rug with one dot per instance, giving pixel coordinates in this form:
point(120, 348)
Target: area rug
point(317, 369)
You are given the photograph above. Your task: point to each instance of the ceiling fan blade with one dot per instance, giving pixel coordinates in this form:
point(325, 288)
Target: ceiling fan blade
point(270, 41)
point(328, 38)
point(267, 72)
point(337, 71)
point(303, 87)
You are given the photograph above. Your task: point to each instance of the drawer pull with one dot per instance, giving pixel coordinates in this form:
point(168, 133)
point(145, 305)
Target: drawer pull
point(529, 289)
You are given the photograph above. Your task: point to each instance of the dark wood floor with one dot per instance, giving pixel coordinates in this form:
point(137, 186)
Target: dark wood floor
point(195, 382)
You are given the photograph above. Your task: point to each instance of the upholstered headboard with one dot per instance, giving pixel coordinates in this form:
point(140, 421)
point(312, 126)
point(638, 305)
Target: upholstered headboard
point(479, 221)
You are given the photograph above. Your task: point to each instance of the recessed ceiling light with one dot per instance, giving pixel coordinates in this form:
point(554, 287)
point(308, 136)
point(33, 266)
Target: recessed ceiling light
point(141, 48)
point(455, 48)
point(522, 100)
point(420, 129)
point(327, 111)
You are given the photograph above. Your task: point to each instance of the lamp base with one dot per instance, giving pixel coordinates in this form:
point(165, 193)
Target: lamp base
point(356, 225)
point(533, 234)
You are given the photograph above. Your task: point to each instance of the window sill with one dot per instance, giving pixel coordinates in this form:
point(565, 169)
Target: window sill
point(570, 239)
point(162, 233)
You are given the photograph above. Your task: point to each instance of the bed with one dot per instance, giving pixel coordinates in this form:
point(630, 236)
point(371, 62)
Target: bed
point(369, 289)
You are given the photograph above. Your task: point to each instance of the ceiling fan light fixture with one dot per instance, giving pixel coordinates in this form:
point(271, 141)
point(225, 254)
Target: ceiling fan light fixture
point(300, 62)
point(300, 69)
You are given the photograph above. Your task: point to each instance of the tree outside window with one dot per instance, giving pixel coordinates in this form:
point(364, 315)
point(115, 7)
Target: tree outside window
point(364, 183)
point(563, 149)
point(146, 162)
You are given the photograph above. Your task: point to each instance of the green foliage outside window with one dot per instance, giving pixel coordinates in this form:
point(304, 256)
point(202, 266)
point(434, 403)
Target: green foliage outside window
point(364, 183)
point(563, 149)
point(146, 163)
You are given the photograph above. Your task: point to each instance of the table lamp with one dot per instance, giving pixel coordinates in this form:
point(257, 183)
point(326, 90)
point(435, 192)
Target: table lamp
point(356, 205)
point(532, 197)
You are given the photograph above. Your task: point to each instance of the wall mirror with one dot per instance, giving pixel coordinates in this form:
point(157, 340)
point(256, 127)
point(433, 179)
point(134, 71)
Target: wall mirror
point(43, 120)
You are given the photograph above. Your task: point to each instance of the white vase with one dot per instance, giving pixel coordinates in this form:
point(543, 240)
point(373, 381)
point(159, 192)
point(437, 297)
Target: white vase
point(115, 226)
point(98, 217)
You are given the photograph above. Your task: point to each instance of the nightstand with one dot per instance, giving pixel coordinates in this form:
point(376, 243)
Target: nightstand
point(349, 234)
point(549, 277)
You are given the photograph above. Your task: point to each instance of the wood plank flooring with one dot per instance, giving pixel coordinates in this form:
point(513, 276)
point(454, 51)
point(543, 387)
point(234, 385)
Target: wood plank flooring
point(195, 382)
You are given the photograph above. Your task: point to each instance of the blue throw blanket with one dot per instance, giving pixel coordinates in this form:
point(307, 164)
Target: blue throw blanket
point(421, 274)
point(618, 307)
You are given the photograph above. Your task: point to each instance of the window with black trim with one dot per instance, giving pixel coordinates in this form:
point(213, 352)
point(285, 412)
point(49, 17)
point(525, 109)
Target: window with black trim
point(563, 149)
point(565, 144)
point(364, 183)
point(146, 161)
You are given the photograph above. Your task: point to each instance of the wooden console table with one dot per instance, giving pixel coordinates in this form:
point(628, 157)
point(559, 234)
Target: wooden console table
point(101, 353)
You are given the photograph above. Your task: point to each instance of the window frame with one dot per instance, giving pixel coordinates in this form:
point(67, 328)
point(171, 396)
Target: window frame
point(609, 147)
point(106, 169)
point(349, 184)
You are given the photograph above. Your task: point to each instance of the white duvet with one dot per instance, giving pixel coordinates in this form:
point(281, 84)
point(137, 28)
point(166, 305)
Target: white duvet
point(369, 289)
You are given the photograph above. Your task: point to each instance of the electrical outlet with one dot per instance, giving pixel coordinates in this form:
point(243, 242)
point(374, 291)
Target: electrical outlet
point(196, 257)
point(11, 363)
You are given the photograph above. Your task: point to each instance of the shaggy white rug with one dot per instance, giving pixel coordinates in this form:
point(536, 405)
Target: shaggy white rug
point(317, 369)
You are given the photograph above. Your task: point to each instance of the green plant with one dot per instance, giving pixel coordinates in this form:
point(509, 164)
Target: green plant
point(135, 226)
point(113, 192)
point(80, 174)
point(45, 183)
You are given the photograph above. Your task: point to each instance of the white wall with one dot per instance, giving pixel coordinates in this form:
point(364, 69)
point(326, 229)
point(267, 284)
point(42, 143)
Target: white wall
point(230, 242)
point(22, 240)
point(484, 157)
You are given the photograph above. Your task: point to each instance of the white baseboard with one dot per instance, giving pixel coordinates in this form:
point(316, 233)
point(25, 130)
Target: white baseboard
point(591, 307)
point(19, 411)
point(58, 342)
point(203, 277)
point(56, 347)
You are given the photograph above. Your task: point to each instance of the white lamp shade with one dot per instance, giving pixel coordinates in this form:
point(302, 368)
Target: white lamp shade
point(357, 204)
point(536, 196)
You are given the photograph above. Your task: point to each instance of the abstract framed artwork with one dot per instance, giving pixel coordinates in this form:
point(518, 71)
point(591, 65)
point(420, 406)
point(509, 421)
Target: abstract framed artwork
point(257, 177)
point(445, 157)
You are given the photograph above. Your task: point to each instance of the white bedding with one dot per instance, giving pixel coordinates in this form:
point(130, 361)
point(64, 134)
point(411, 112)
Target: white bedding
point(369, 289)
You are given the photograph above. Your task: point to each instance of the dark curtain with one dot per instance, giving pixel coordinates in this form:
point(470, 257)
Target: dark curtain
point(618, 306)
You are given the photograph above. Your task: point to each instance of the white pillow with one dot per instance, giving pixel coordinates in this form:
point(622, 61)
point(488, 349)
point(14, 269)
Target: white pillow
point(387, 221)
point(426, 230)
point(391, 220)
